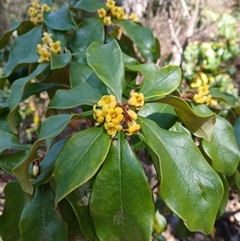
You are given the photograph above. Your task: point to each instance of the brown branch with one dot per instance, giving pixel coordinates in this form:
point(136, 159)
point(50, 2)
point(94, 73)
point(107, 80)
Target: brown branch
point(176, 45)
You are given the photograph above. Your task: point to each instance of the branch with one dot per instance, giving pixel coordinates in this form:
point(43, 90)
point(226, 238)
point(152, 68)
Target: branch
point(176, 46)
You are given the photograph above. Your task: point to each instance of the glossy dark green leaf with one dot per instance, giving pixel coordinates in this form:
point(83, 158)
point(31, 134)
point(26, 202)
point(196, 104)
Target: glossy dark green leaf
point(23, 50)
point(82, 73)
point(142, 36)
point(107, 62)
point(163, 114)
point(16, 94)
point(83, 94)
point(21, 170)
point(79, 160)
point(9, 161)
point(224, 202)
point(27, 25)
point(79, 199)
point(79, 73)
point(40, 219)
point(47, 164)
point(161, 82)
point(10, 141)
point(121, 197)
point(62, 19)
point(188, 184)
point(68, 215)
point(145, 69)
point(89, 5)
point(236, 128)
point(36, 88)
point(14, 204)
point(151, 56)
point(90, 30)
point(54, 125)
point(60, 61)
point(223, 149)
point(226, 97)
point(201, 124)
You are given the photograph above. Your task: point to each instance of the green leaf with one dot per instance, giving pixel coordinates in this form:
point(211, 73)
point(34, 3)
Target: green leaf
point(23, 50)
point(89, 5)
point(236, 127)
point(9, 161)
point(82, 73)
point(54, 125)
point(145, 69)
point(17, 25)
point(16, 94)
point(188, 184)
point(62, 19)
point(90, 30)
point(10, 141)
point(122, 185)
point(163, 114)
point(60, 61)
point(21, 170)
point(79, 203)
point(201, 124)
point(226, 97)
point(40, 219)
point(79, 160)
point(151, 56)
point(224, 201)
point(47, 164)
point(66, 211)
point(14, 204)
point(83, 94)
point(223, 149)
point(142, 36)
point(107, 62)
point(161, 82)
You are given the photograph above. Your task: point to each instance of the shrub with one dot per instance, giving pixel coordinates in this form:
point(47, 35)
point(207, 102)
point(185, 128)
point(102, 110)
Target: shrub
point(101, 77)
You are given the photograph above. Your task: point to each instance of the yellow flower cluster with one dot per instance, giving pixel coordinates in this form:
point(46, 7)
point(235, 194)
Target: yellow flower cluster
point(47, 47)
point(203, 96)
point(114, 11)
point(35, 12)
point(116, 116)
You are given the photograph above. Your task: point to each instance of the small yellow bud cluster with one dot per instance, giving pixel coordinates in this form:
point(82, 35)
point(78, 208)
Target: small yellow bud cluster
point(47, 47)
point(116, 116)
point(35, 12)
point(203, 96)
point(114, 11)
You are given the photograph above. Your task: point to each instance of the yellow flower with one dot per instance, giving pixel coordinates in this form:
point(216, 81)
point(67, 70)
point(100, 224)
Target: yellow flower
point(98, 114)
point(213, 103)
point(35, 4)
point(107, 20)
point(204, 90)
point(198, 98)
point(46, 39)
point(107, 101)
point(34, 20)
point(133, 17)
point(32, 12)
point(196, 83)
point(112, 128)
point(114, 115)
point(55, 47)
point(45, 8)
point(137, 100)
point(133, 128)
point(132, 114)
point(208, 99)
point(115, 11)
point(102, 13)
point(110, 4)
